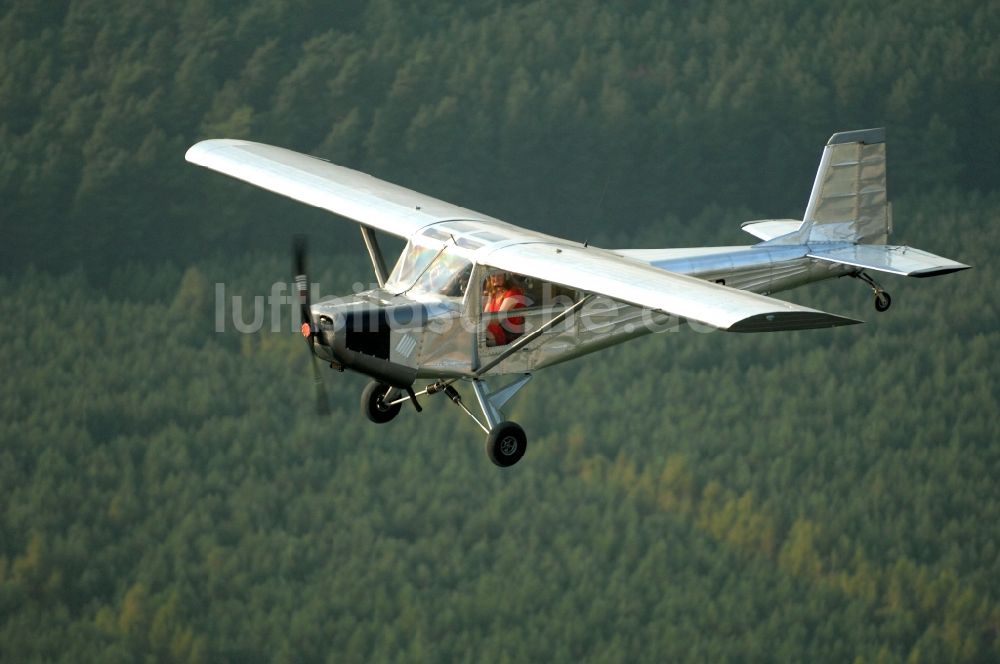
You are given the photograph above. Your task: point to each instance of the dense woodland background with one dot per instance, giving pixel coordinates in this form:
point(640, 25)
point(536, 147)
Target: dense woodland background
point(168, 494)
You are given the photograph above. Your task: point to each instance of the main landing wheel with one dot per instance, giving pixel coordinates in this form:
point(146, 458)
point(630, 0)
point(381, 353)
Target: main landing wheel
point(882, 301)
point(373, 402)
point(506, 444)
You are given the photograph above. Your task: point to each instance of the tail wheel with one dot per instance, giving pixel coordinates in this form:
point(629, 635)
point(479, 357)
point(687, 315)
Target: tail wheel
point(506, 444)
point(373, 403)
point(882, 301)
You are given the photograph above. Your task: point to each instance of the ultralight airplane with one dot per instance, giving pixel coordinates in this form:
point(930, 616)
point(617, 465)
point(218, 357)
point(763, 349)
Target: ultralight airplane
point(472, 298)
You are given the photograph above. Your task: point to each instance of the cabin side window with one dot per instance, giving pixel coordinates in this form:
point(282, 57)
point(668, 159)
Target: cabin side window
point(505, 295)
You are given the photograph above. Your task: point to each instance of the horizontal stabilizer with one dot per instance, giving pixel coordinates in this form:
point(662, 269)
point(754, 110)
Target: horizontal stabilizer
point(768, 229)
point(905, 261)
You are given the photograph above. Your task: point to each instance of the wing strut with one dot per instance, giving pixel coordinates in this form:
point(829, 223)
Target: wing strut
point(528, 338)
point(375, 252)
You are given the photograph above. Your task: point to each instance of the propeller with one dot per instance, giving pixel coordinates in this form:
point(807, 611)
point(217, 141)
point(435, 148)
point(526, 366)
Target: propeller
point(309, 329)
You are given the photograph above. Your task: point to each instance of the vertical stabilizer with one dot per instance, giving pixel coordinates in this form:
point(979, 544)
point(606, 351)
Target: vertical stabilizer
point(849, 201)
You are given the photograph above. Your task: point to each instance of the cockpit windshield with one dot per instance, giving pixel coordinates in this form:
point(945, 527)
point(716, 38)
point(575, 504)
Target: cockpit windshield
point(432, 268)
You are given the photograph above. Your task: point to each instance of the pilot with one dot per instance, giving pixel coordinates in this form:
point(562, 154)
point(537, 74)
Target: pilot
point(501, 294)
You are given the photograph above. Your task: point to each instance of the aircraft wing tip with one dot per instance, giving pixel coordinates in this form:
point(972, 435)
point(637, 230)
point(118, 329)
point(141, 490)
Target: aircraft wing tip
point(938, 271)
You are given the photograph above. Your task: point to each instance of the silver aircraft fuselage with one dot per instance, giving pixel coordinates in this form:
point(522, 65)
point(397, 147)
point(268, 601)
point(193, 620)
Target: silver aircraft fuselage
point(447, 339)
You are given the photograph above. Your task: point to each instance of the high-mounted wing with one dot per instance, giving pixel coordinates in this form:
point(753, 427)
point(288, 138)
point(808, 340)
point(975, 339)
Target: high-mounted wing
point(605, 273)
point(313, 181)
point(403, 212)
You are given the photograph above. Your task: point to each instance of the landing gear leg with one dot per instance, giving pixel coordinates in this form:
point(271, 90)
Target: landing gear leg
point(882, 299)
point(506, 441)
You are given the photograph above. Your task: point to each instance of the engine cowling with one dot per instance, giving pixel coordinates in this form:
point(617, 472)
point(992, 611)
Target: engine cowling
point(358, 335)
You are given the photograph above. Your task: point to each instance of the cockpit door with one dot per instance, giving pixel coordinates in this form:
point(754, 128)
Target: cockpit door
point(506, 306)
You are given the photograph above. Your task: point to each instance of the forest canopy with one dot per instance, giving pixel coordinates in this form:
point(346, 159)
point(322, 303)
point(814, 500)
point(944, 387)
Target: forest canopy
point(167, 492)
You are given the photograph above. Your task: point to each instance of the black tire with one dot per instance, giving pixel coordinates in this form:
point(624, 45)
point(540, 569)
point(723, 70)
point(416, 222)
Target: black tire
point(882, 301)
point(506, 444)
point(372, 405)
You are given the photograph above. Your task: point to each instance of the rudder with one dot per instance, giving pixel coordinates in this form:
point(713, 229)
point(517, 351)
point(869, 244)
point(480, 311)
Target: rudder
point(849, 202)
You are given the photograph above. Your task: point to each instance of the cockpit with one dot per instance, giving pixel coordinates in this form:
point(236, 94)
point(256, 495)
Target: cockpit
point(431, 267)
point(439, 259)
